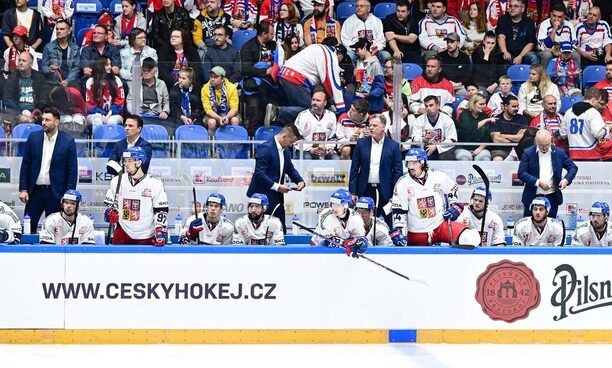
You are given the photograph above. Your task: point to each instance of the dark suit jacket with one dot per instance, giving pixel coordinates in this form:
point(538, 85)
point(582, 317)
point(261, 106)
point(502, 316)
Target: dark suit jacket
point(267, 171)
point(64, 168)
point(529, 172)
point(390, 167)
point(121, 146)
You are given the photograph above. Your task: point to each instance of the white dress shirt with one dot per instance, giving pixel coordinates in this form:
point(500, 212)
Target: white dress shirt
point(546, 171)
point(281, 158)
point(45, 163)
point(375, 157)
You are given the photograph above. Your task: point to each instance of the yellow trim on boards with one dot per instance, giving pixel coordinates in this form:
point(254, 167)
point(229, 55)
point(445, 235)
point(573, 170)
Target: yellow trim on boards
point(514, 336)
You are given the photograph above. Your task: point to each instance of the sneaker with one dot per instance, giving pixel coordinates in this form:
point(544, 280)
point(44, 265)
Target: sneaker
point(271, 114)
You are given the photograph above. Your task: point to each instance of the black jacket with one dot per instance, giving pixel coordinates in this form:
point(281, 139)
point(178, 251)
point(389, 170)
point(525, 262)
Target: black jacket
point(39, 84)
point(166, 62)
point(161, 26)
point(194, 100)
point(253, 52)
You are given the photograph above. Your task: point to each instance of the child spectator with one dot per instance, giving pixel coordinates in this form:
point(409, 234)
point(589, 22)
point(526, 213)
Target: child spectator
point(185, 103)
point(505, 89)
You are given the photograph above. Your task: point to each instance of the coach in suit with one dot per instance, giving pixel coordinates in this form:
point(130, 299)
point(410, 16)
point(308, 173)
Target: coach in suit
point(48, 168)
point(133, 126)
point(376, 166)
point(272, 162)
point(541, 169)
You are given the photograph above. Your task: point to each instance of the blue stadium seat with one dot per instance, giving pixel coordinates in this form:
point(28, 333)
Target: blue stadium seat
point(412, 71)
point(232, 150)
point(456, 103)
point(153, 133)
point(192, 133)
point(32, 4)
point(23, 131)
point(567, 102)
point(592, 74)
point(519, 74)
point(344, 10)
point(85, 14)
point(241, 37)
point(382, 10)
point(3, 144)
point(107, 132)
point(263, 133)
point(80, 36)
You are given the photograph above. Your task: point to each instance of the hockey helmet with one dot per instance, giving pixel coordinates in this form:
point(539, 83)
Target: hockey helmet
point(136, 153)
point(483, 192)
point(72, 195)
point(342, 197)
point(216, 198)
point(600, 208)
point(366, 203)
point(261, 199)
point(540, 201)
point(416, 154)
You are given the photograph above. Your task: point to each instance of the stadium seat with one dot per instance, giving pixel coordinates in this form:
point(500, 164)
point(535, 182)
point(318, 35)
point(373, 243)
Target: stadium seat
point(241, 37)
point(344, 10)
point(382, 10)
point(86, 13)
point(192, 133)
point(456, 103)
point(107, 132)
point(23, 131)
point(33, 4)
point(412, 71)
point(2, 144)
point(154, 133)
point(80, 36)
point(519, 74)
point(263, 133)
point(567, 102)
point(232, 150)
point(592, 74)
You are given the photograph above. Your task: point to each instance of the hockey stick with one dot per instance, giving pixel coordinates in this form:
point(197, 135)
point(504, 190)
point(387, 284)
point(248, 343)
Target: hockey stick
point(359, 255)
point(111, 227)
point(375, 216)
point(485, 181)
point(563, 240)
point(268, 227)
point(195, 209)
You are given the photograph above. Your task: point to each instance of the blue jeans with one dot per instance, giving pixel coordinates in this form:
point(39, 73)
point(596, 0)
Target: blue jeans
point(298, 100)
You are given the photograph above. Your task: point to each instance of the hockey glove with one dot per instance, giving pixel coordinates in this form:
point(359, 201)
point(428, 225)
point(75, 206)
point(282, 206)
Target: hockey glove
point(333, 241)
point(453, 211)
point(194, 228)
point(399, 239)
point(356, 246)
point(161, 236)
point(4, 235)
point(111, 216)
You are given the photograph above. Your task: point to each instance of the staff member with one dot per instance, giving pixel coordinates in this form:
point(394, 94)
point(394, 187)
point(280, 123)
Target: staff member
point(272, 162)
point(133, 126)
point(48, 169)
point(541, 168)
point(376, 166)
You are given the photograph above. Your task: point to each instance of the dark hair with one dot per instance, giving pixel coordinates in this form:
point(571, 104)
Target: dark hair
point(185, 36)
point(506, 100)
point(330, 41)
point(473, 84)
point(133, 34)
point(559, 8)
point(609, 62)
point(149, 63)
point(292, 130)
point(53, 111)
point(361, 105)
point(132, 2)
point(432, 98)
point(287, 45)
point(434, 57)
point(439, 1)
point(319, 88)
point(402, 3)
point(225, 28)
point(99, 77)
point(263, 27)
point(139, 121)
point(62, 20)
point(99, 25)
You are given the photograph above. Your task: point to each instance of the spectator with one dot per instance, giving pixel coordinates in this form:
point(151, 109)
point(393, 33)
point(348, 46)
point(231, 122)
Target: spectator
point(269, 10)
point(606, 83)
point(25, 92)
point(164, 21)
point(472, 89)
point(475, 25)
point(578, 11)
point(223, 55)
point(99, 47)
point(516, 35)
point(135, 53)
point(321, 25)
point(185, 102)
point(461, 9)
point(104, 95)
point(19, 36)
point(432, 83)
point(154, 98)
point(388, 83)
point(354, 124)
point(21, 15)
point(368, 76)
point(487, 63)
point(505, 90)
point(435, 26)
point(133, 127)
point(287, 23)
point(179, 55)
point(62, 56)
point(307, 8)
point(317, 124)
point(473, 126)
point(550, 120)
point(242, 12)
point(126, 22)
point(553, 32)
point(70, 104)
point(220, 101)
point(432, 128)
point(105, 20)
point(532, 91)
point(363, 24)
point(401, 32)
point(593, 39)
point(564, 71)
point(508, 127)
point(291, 46)
point(347, 72)
point(203, 26)
point(458, 66)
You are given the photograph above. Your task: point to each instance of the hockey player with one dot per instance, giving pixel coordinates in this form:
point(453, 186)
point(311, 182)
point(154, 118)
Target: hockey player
point(365, 208)
point(472, 218)
point(10, 226)
point(338, 222)
point(257, 228)
point(538, 229)
point(66, 226)
point(418, 206)
point(142, 202)
point(599, 231)
point(210, 227)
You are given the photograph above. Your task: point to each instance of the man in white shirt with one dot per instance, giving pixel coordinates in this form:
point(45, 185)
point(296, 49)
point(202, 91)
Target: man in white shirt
point(363, 24)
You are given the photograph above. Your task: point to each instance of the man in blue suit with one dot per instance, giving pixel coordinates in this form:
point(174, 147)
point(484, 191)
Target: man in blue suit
point(541, 169)
point(272, 162)
point(133, 126)
point(376, 166)
point(48, 168)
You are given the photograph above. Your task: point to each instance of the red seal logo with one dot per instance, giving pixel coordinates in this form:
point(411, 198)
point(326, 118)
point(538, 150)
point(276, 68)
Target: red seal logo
point(507, 291)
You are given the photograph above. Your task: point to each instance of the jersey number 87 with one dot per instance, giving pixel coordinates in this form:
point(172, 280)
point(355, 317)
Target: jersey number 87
point(576, 126)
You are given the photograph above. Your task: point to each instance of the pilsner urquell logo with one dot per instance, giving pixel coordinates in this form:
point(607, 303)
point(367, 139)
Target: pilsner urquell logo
point(574, 295)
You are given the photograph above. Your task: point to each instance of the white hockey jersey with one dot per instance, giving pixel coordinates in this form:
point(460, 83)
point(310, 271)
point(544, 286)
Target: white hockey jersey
point(433, 31)
point(382, 233)
point(441, 130)
point(589, 40)
point(526, 233)
point(494, 226)
point(564, 34)
point(329, 224)
point(221, 233)
point(137, 204)
point(10, 223)
point(268, 232)
point(586, 235)
point(583, 131)
point(56, 230)
point(425, 203)
point(314, 129)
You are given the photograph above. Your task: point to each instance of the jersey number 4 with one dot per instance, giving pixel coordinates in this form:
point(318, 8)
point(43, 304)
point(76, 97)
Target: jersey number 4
point(576, 126)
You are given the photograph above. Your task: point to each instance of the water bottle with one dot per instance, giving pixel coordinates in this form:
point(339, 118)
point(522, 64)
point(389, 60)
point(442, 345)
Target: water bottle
point(510, 226)
point(573, 218)
point(27, 225)
point(178, 224)
point(294, 228)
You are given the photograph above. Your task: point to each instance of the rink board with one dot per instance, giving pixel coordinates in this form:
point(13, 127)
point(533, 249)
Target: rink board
point(303, 294)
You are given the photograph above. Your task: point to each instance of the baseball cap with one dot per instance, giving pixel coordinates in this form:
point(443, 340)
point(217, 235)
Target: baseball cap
point(566, 47)
point(452, 36)
point(20, 31)
point(361, 43)
point(218, 71)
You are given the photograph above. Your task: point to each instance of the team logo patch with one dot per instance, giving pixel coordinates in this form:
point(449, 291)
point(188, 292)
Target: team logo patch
point(146, 193)
point(410, 192)
point(507, 291)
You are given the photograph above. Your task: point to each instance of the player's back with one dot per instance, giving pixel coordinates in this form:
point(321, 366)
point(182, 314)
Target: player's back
point(583, 126)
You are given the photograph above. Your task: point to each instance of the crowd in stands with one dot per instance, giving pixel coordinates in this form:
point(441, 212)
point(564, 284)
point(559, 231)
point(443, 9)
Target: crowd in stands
point(305, 62)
